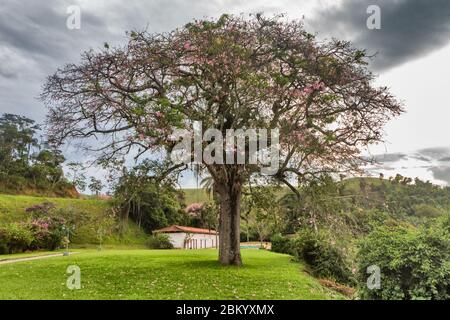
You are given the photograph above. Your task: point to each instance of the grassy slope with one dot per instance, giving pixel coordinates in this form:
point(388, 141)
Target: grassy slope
point(12, 207)
point(199, 195)
point(164, 274)
point(351, 186)
point(90, 214)
point(195, 195)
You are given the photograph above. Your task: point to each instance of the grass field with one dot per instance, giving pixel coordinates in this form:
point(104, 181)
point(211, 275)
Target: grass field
point(163, 274)
point(12, 207)
point(89, 215)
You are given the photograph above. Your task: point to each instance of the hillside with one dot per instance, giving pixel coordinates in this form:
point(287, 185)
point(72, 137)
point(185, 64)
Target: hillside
point(402, 196)
point(193, 195)
point(20, 186)
point(370, 192)
point(88, 215)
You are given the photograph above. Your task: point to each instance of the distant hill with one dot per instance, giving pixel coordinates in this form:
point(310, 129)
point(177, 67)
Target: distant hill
point(194, 195)
point(401, 195)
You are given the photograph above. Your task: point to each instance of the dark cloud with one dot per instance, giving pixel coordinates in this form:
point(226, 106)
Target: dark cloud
point(34, 42)
point(435, 153)
point(409, 28)
point(441, 173)
point(389, 157)
point(6, 73)
point(421, 157)
point(38, 28)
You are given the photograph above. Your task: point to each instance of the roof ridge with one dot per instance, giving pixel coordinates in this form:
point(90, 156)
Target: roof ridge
point(186, 229)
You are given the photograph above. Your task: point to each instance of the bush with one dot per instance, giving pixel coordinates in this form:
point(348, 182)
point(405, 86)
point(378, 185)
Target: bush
point(325, 258)
point(159, 241)
point(281, 244)
point(48, 233)
point(414, 263)
point(426, 211)
point(14, 238)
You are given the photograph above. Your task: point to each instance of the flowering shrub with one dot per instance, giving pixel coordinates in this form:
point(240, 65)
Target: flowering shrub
point(194, 208)
point(14, 238)
point(41, 209)
point(47, 232)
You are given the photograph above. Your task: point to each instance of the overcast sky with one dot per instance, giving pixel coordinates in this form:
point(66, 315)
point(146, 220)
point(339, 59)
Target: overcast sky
point(412, 46)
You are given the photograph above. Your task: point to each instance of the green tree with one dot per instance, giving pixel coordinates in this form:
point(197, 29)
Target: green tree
point(95, 185)
point(76, 175)
point(152, 204)
point(16, 141)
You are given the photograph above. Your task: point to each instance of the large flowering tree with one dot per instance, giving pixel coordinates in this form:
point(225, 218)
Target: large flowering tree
point(230, 73)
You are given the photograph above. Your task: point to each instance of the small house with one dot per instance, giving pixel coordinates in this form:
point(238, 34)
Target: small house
point(191, 238)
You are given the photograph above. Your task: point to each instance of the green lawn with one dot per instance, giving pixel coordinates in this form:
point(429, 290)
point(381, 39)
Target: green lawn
point(163, 274)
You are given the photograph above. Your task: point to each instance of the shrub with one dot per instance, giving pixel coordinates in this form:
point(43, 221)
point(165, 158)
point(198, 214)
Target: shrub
point(14, 238)
point(321, 253)
point(414, 263)
point(427, 211)
point(281, 244)
point(159, 241)
point(42, 209)
point(47, 233)
point(47, 226)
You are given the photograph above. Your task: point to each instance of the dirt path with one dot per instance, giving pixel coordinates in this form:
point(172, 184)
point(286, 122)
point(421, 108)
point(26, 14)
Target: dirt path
point(34, 258)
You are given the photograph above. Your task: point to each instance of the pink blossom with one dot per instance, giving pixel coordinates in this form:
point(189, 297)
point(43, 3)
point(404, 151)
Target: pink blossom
point(297, 93)
point(171, 138)
point(194, 207)
point(187, 45)
point(308, 90)
point(318, 86)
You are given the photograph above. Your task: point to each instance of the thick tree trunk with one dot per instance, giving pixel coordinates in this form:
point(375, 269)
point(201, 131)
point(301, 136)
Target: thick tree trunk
point(229, 231)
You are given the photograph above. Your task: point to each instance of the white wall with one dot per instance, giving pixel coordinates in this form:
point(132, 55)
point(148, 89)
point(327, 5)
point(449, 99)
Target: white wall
point(193, 240)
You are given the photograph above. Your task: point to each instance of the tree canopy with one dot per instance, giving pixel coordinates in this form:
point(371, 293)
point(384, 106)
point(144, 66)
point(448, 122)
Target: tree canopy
point(27, 164)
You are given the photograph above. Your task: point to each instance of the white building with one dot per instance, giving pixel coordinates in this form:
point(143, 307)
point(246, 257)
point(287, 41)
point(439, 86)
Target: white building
point(191, 238)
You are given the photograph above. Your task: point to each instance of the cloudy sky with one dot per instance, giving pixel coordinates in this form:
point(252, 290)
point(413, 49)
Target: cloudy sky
point(412, 46)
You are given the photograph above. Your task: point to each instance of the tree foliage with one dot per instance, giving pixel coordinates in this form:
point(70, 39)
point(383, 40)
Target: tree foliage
point(27, 164)
point(150, 203)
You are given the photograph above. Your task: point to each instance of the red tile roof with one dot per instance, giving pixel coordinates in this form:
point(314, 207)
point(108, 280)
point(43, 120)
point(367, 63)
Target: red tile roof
point(175, 228)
